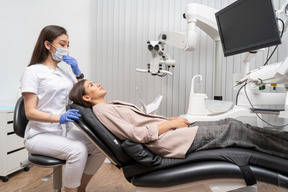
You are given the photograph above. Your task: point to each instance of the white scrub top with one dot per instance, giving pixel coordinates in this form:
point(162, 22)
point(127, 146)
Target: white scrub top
point(52, 89)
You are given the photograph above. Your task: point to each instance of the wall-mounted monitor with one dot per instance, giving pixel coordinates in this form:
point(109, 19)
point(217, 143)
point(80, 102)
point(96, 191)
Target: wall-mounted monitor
point(247, 25)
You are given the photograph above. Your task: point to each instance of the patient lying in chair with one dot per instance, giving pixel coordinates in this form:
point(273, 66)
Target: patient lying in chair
point(175, 137)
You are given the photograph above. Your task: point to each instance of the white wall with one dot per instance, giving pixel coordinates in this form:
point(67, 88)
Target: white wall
point(21, 22)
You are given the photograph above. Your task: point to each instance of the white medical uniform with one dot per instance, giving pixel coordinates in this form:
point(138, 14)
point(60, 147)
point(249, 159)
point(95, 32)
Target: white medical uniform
point(52, 139)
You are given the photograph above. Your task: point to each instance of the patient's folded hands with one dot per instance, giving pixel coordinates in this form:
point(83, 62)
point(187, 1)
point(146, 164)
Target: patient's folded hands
point(179, 122)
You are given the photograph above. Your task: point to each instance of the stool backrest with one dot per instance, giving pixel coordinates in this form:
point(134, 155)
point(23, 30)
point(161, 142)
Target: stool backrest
point(20, 120)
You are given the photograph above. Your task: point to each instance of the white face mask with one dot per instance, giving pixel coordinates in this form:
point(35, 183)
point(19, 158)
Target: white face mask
point(60, 52)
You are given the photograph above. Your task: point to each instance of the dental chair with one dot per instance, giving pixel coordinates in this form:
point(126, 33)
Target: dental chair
point(19, 122)
point(203, 171)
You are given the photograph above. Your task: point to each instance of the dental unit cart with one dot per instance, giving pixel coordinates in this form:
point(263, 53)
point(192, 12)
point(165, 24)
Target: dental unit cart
point(12, 150)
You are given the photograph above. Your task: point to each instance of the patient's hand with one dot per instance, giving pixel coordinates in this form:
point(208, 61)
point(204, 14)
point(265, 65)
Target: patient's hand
point(179, 122)
point(174, 123)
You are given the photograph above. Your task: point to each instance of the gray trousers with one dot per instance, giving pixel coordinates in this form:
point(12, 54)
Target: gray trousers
point(233, 133)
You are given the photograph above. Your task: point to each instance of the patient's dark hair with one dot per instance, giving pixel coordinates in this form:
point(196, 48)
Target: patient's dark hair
point(77, 92)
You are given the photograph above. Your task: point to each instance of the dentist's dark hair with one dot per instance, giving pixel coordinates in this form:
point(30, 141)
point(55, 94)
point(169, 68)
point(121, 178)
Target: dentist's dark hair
point(77, 92)
point(48, 33)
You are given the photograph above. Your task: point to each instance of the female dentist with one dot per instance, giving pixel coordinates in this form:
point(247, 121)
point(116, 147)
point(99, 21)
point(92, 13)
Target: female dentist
point(45, 87)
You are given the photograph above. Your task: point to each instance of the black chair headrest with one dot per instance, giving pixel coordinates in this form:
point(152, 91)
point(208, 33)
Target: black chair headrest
point(20, 120)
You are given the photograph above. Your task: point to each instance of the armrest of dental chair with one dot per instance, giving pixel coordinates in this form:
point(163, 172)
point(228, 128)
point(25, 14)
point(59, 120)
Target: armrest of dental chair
point(141, 154)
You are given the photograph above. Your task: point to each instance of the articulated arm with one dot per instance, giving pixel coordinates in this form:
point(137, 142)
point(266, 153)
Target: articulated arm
point(283, 14)
point(196, 15)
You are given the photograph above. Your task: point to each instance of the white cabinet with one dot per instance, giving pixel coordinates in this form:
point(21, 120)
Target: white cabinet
point(12, 150)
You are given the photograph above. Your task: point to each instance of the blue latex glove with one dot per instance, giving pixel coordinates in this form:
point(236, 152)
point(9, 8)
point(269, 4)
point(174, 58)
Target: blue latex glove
point(69, 116)
point(73, 63)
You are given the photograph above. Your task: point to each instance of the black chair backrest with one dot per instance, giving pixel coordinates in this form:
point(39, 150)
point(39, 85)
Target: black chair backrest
point(110, 144)
point(20, 120)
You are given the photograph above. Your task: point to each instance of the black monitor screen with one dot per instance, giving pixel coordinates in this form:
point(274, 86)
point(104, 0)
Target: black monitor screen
point(247, 25)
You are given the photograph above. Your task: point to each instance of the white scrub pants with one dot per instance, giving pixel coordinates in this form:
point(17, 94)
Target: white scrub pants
point(80, 153)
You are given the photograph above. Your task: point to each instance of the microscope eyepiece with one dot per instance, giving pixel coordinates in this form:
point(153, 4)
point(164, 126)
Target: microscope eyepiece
point(150, 47)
